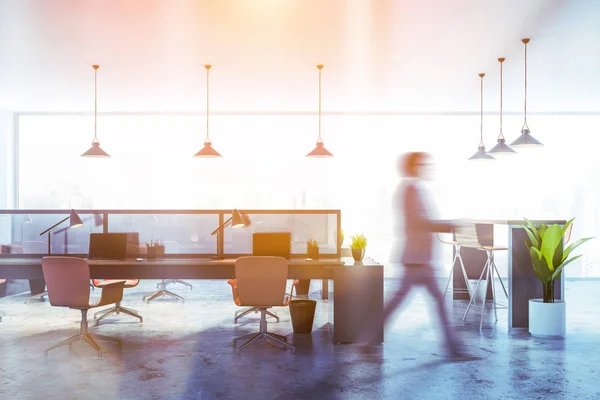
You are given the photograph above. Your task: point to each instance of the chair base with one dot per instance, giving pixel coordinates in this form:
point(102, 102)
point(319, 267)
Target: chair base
point(89, 338)
point(36, 297)
point(160, 293)
point(262, 336)
point(167, 281)
point(117, 309)
point(239, 314)
point(85, 336)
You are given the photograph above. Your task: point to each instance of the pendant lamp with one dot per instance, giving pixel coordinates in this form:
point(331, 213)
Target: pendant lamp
point(525, 140)
point(95, 150)
point(207, 151)
point(501, 149)
point(320, 150)
point(481, 155)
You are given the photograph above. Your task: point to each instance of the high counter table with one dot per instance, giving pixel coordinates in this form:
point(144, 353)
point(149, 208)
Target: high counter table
point(523, 284)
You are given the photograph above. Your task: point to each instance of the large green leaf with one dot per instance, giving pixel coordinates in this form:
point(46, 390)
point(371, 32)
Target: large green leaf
point(573, 246)
point(533, 228)
point(556, 273)
point(533, 240)
point(550, 240)
point(537, 253)
point(558, 254)
point(542, 231)
point(540, 267)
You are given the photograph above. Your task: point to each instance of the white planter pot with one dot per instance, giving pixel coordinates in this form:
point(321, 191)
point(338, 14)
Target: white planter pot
point(547, 319)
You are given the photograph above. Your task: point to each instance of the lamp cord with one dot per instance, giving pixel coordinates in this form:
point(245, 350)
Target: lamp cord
point(207, 139)
point(481, 112)
point(501, 136)
point(525, 106)
point(320, 140)
point(95, 103)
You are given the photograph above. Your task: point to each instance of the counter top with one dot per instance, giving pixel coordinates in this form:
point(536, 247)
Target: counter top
point(518, 222)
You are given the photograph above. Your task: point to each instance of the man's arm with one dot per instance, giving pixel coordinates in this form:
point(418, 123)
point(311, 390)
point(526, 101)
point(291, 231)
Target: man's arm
point(417, 216)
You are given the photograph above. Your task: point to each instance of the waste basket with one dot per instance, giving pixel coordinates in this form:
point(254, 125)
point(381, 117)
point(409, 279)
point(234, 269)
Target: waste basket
point(303, 315)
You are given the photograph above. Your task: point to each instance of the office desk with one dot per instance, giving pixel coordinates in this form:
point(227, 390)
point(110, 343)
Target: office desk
point(360, 284)
point(31, 268)
point(523, 284)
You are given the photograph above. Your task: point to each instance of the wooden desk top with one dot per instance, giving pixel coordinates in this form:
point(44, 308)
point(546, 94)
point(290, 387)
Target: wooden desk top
point(31, 268)
point(325, 262)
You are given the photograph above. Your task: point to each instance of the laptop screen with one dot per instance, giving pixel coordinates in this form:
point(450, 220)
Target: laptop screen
point(278, 244)
point(108, 246)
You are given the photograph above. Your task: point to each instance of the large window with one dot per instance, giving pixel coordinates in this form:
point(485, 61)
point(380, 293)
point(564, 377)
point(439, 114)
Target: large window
point(264, 166)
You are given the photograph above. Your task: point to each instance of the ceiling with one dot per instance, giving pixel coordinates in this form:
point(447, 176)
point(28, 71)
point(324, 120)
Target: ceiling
point(380, 55)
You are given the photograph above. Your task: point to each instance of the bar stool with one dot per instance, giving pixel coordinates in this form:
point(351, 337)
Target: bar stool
point(466, 236)
point(457, 247)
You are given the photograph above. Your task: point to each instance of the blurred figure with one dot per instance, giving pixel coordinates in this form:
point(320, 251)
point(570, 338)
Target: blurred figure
point(413, 208)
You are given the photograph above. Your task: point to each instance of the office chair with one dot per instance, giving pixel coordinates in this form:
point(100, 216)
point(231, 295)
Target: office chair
point(67, 280)
point(117, 308)
point(260, 283)
point(466, 236)
point(173, 247)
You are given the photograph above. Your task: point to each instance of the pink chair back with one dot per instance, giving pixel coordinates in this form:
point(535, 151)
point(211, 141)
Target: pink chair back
point(261, 280)
point(67, 280)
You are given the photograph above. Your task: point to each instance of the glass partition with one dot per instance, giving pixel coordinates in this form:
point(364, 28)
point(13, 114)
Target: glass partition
point(184, 233)
point(303, 227)
point(179, 233)
point(20, 232)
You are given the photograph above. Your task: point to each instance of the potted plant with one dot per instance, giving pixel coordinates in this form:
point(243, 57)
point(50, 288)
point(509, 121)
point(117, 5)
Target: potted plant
point(312, 249)
point(358, 246)
point(547, 316)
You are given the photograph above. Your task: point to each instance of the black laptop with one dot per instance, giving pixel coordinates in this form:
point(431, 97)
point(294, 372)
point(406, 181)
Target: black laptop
point(277, 244)
point(110, 246)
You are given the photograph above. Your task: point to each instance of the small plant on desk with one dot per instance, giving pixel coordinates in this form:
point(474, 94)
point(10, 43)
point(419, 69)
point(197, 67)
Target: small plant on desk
point(358, 246)
point(312, 249)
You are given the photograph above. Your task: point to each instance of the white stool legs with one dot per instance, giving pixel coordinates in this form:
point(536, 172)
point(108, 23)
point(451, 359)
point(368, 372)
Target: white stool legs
point(489, 270)
point(464, 272)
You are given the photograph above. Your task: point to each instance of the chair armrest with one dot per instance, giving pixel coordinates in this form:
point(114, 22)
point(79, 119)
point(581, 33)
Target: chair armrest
point(294, 283)
point(234, 291)
point(290, 296)
point(111, 293)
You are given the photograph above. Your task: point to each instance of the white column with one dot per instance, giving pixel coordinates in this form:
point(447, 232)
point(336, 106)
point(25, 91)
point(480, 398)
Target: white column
point(7, 157)
point(7, 162)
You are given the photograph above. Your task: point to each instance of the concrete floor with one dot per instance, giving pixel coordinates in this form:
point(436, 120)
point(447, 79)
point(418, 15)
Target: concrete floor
point(184, 351)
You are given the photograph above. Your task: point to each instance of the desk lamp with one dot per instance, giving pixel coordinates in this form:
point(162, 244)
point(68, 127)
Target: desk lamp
point(74, 222)
point(238, 220)
point(98, 221)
